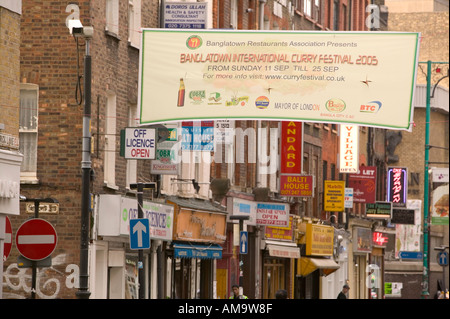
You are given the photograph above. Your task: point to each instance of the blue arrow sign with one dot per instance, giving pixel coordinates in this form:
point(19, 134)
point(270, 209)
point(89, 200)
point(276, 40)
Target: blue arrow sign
point(243, 242)
point(139, 233)
point(443, 258)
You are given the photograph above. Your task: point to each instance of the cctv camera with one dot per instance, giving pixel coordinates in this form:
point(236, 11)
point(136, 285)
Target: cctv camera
point(75, 27)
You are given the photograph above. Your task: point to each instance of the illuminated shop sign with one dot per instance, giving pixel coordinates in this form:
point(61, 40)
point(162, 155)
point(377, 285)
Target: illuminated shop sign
point(397, 184)
point(379, 239)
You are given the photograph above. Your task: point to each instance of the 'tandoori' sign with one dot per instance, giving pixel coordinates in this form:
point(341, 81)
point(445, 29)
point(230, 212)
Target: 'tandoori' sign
point(365, 78)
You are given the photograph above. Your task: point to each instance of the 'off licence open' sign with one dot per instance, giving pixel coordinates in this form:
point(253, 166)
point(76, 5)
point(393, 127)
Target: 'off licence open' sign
point(137, 143)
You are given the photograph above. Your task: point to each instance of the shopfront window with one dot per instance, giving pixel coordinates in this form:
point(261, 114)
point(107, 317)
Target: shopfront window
point(374, 277)
point(274, 277)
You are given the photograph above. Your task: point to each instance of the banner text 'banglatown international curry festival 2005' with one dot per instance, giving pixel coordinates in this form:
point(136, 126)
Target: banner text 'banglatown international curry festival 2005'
point(363, 78)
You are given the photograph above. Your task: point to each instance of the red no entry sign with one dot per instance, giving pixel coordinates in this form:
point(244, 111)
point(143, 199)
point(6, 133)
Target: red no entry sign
point(8, 239)
point(36, 239)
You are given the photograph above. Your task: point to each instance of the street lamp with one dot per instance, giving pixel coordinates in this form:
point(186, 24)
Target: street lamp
point(425, 275)
point(77, 30)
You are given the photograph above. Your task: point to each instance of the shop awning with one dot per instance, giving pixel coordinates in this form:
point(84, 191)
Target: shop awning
point(283, 250)
point(212, 251)
point(308, 265)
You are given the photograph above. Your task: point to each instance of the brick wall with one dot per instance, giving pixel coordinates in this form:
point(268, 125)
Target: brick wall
point(9, 71)
point(49, 59)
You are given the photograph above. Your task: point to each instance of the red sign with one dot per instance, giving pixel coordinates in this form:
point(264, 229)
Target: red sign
point(379, 239)
point(291, 147)
point(36, 239)
point(363, 184)
point(8, 239)
point(296, 185)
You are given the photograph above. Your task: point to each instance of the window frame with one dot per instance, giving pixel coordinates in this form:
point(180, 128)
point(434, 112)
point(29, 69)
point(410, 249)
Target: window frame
point(29, 176)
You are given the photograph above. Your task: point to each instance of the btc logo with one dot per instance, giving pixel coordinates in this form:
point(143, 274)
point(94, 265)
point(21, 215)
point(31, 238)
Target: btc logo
point(371, 107)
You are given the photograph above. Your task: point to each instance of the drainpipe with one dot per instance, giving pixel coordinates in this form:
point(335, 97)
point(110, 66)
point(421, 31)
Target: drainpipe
point(261, 14)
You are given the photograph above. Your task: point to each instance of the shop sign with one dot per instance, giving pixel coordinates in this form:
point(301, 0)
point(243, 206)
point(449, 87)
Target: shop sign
point(319, 240)
point(137, 143)
point(223, 132)
point(200, 226)
point(291, 155)
point(115, 213)
point(362, 240)
point(197, 136)
point(166, 162)
point(279, 233)
point(393, 289)
point(348, 149)
point(160, 217)
point(381, 210)
point(243, 207)
point(403, 216)
point(182, 15)
point(9, 182)
point(439, 197)
point(297, 185)
point(334, 196)
point(397, 185)
point(348, 198)
point(363, 184)
point(440, 175)
point(272, 214)
point(379, 239)
point(10, 141)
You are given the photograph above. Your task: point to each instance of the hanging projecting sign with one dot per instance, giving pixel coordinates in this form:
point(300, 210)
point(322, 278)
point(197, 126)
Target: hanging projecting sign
point(397, 185)
point(272, 214)
point(137, 143)
point(363, 184)
point(339, 77)
point(348, 149)
point(381, 210)
point(291, 155)
point(197, 136)
point(334, 196)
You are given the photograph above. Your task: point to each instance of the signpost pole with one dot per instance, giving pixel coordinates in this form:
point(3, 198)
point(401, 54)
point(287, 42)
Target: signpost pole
point(241, 262)
point(36, 202)
point(34, 263)
point(141, 273)
point(140, 193)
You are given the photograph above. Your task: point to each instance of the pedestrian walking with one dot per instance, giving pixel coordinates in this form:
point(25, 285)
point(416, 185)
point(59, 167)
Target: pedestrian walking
point(281, 294)
point(236, 294)
point(343, 293)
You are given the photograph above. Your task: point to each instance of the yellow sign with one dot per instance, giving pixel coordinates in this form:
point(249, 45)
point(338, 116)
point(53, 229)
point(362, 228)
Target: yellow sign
point(339, 77)
point(334, 196)
point(319, 240)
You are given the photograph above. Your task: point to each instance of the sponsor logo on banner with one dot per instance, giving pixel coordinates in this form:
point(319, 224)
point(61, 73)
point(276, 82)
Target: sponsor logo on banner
point(371, 107)
point(262, 102)
point(335, 105)
point(194, 42)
